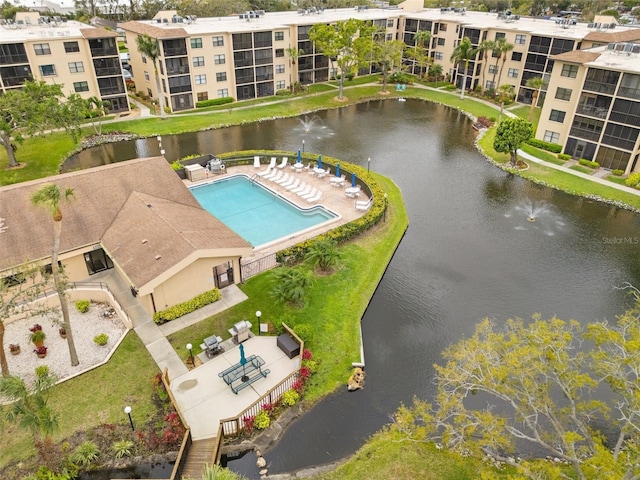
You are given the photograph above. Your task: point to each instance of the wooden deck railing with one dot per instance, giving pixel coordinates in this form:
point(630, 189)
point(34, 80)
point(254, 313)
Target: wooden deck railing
point(183, 454)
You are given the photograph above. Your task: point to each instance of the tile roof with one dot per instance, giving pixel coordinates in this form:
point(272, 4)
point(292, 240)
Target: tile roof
point(97, 32)
point(577, 56)
point(610, 36)
point(153, 31)
point(100, 195)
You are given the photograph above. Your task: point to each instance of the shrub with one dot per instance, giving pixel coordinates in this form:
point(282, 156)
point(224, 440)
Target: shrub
point(122, 448)
point(290, 398)
point(176, 165)
point(83, 306)
point(248, 422)
point(588, 163)
point(399, 77)
point(548, 146)
point(164, 316)
point(450, 87)
point(283, 93)
point(262, 420)
point(617, 172)
point(484, 121)
point(85, 454)
point(564, 156)
point(633, 180)
point(42, 371)
point(214, 101)
point(101, 339)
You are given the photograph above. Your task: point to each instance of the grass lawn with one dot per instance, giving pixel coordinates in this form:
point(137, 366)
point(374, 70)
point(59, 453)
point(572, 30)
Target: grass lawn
point(525, 112)
point(542, 154)
point(616, 179)
point(325, 316)
point(96, 397)
point(582, 169)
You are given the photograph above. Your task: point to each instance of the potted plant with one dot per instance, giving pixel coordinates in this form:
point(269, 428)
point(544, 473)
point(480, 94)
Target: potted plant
point(63, 332)
point(37, 335)
point(101, 339)
point(14, 348)
point(41, 351)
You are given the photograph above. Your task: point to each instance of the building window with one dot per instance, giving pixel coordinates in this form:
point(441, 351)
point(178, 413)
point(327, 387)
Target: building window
point(563, 93)
point(279, 68)
point(200, 79)
point(551, 137)
point(513, 73)
point(218, 59)
point(80, 87)
point(279, 52)
point(570, 71)
point(443, 27)
point(223, 92)
point(516, 56)
point(557, 116)
point(493, 69)
point(196, 43)
point(489, 85)
point(281, 85)
point(71, 47)
point(146, 76)
point(47, 70)
point(278, 36)
point(76, 67)
point(144, 59)
point(218, 42)
point(202, 96)
point(520, 39)
point(438, 56)
point(441, 41)
point(221, 76)
point(42, 49)
point(390, 23)
point(198, 61)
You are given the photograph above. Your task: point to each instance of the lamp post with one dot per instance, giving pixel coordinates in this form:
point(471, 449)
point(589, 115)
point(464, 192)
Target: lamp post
point(368, 164)
point(190, 347)
point(127, 410)
point(384, 212)
point(303, 145)
point(258, 315)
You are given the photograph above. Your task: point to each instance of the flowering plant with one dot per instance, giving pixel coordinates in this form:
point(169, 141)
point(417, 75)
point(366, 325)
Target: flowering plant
point(41, 350)
point(14, 347)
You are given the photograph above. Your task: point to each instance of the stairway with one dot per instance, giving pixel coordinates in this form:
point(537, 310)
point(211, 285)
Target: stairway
point(200, 453)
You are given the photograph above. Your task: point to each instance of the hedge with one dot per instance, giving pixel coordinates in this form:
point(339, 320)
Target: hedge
point(548, 146)
point(588, 163)
point(214, 101)
point(189, 306)
point(564, 156)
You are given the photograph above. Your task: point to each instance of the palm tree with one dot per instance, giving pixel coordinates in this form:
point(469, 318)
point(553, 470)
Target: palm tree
point(502, 47)
point(324, 254)
point(462, 54)
point(294, 54)
point(290, 285)
point(421, 46)
point(537, 84)
point(49, 197)
point(505, 92)
point(150, 48)
point(101, 107)
point(485, 47)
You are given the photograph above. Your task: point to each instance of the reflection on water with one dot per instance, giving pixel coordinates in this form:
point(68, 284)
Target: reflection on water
point(469, 253)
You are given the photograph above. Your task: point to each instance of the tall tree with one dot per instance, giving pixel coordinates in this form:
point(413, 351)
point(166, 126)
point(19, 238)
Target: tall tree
point(537, 84)
point(324, 254)
point(294, 54)
point(502, 47)
point(387, 55)
point(505, 92)
point(420, 51)
point(150, 48)
point(348, 43)
point(462, 54)
point(485, 47)
point(33, 110)
point(97, 110)
point(49, 197)
point(510, 135)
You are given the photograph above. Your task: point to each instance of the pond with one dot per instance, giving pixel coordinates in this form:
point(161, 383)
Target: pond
point(469, 253)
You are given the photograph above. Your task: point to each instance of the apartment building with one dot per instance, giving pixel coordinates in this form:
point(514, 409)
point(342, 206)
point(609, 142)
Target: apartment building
point(593, 106)
point(81, 58)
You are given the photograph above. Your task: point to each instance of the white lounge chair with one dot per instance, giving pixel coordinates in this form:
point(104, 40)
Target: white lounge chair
point(325, 173)
point(256, 161)
point(306, 190)
point(316, 197)
point(271, 174)
point(312, 193)
point(265, 172)
point(337, 181)
point(284, 162)
point(363, 205)
point(283, 179)
point(277, 174)
point(292, 183)
point(299, 188)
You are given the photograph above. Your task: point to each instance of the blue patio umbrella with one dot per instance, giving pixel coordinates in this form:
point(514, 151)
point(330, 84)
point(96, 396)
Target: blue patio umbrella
point(353, 179)
point(319, 161)
point(243, 362)
point(338, 170)
point(299, 159)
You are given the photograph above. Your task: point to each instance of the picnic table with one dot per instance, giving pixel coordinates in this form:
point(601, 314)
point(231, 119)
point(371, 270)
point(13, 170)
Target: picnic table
point(246, 373)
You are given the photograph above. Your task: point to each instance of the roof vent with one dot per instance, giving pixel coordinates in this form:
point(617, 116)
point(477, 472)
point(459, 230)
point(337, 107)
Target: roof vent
point(144, 240)
point(148, 205)
point(158, 257)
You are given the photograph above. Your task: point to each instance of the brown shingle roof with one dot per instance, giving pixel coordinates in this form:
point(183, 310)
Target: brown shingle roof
point(99, 195)
point(151, 234)
point(97, 32)
point(153, 31)
point(577, 56)
point(629, 35)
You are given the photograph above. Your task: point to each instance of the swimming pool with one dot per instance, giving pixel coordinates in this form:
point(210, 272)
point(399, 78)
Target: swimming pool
point(254, 212)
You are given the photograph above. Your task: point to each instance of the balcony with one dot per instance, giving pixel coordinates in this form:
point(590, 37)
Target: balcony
point(599, 87)
point(175, 52)
point(108, 71)
point(104, 52)
point(180, 70)
point(592, 111)
point(11, 59)
point(111, 90)
point(629, 92)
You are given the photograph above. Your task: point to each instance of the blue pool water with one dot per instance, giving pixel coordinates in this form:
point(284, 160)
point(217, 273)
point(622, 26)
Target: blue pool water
point(255, 213)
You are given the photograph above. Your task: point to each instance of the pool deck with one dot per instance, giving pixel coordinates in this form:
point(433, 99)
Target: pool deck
point(333, 198)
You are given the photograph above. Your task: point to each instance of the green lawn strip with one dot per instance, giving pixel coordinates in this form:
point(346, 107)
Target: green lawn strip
point(359, 80)
point(581, 169)
point(542, 154)
point(335, 304)
point(93, 398)
point(616, 179)
point(385, 457)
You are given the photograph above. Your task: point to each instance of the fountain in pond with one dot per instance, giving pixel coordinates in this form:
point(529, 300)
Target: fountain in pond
point(539, 213)
point(314, 127)
point(534, 210)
